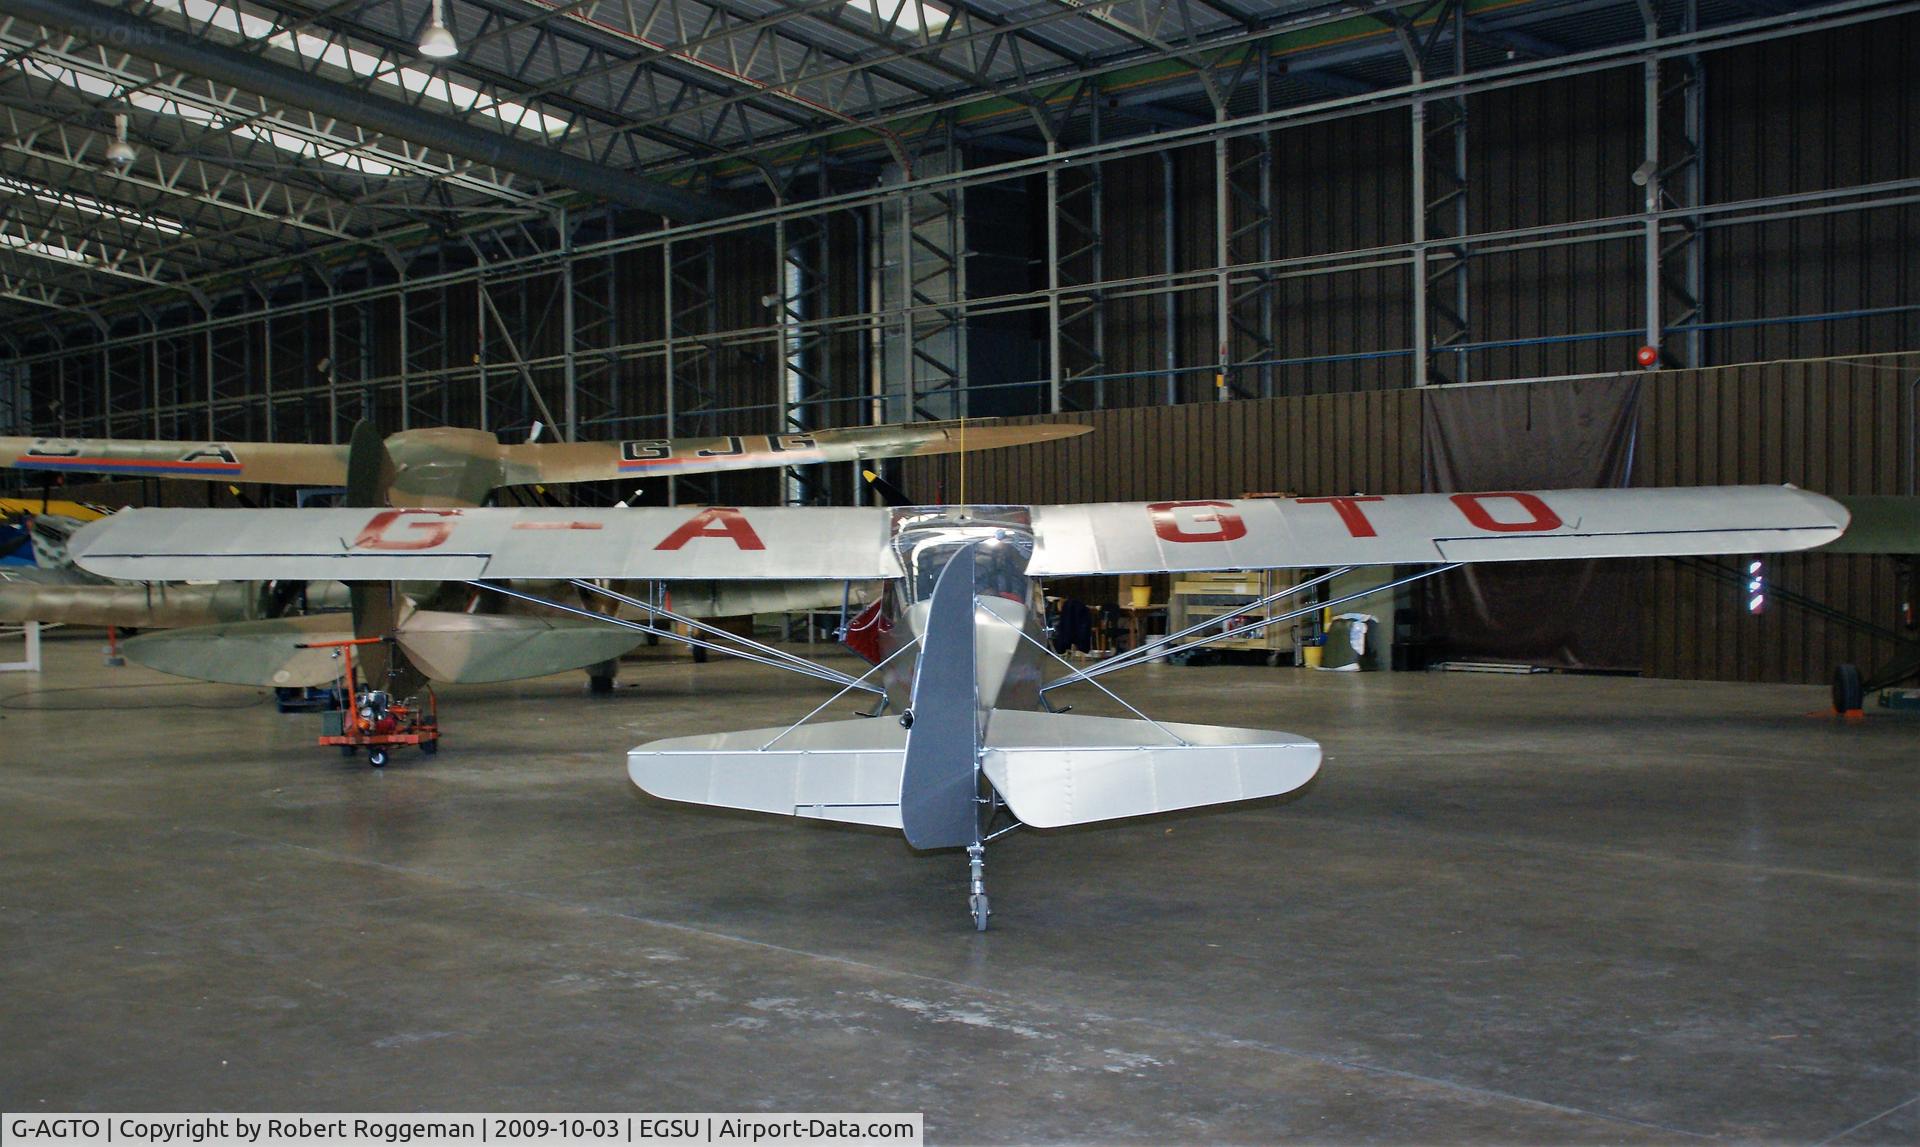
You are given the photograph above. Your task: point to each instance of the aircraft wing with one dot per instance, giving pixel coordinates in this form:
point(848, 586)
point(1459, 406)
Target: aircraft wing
point(450, 544)
point(274, 463)
point(595, 461)
point(1881, 524)
point(1411, 529)
point(851, 543)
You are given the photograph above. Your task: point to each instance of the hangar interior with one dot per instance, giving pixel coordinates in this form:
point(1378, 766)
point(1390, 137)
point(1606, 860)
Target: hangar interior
point(1278, 247)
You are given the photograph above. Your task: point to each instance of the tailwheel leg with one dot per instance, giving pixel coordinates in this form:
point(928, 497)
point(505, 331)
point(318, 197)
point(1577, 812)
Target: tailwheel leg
point(977, 899)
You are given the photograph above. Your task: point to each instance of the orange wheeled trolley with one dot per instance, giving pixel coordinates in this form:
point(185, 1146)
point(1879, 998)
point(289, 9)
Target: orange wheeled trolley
point(375, 720)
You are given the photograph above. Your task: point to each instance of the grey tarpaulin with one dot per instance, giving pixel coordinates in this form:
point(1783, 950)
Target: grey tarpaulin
point(1576, 433)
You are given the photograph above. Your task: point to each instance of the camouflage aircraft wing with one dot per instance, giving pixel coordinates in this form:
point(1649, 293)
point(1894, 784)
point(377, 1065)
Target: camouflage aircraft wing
point(265, 653)
point(278, 463)
point(1408, 529)
point(449, 544)
point(596, 461)
point(1881, 524)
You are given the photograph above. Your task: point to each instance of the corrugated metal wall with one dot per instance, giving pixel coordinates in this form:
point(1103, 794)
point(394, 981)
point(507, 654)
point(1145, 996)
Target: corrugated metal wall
point(1842, 427)
point(1805, 114)
point(1818, 111)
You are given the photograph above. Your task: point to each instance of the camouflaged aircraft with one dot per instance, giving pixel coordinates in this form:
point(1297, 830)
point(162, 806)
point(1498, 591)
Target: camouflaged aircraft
point(251, 635)
point(955, 641)
point(450, 466)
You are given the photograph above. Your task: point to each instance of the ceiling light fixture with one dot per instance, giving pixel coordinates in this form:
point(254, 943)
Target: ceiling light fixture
point(436, 42)
point(120, 154)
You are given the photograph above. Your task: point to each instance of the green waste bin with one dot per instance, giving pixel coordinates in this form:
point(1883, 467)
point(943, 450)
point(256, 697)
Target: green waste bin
point(1351, 643)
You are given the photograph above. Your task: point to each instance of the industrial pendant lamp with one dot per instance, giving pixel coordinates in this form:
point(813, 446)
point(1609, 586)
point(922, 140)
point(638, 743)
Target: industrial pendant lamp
point(436, 42)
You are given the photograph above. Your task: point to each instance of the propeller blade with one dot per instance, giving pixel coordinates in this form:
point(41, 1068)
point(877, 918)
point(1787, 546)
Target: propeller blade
point(889, 493)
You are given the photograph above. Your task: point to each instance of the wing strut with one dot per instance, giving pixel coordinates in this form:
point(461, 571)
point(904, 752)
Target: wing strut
point(754, 651)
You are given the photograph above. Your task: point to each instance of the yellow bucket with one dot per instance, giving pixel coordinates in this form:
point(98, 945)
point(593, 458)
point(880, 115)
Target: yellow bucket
point(1313, 653)
point(1142, 596)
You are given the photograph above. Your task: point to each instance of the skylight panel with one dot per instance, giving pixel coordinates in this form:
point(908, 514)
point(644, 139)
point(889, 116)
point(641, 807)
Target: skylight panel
point(307, 46)
point(105, 89)
point(36, 247)
point(91, 206)
point(913, 17)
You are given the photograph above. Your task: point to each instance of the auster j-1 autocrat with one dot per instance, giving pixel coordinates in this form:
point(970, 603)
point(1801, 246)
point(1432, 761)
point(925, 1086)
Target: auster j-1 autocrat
point(972, 748)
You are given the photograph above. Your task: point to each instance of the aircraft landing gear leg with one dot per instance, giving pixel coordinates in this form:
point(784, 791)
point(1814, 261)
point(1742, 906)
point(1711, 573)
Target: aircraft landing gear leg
point(977, 899)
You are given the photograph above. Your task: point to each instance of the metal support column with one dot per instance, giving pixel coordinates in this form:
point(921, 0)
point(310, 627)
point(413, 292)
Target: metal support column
point(603, 405)
point(927, 364)
point(693, 355)
point(806, 391)
point(1250, 241)
point(1076, 320)
point(1056, 372)
point(1222, 267)
point(1439, 171)
point(1672, 176)
point(1169, 298)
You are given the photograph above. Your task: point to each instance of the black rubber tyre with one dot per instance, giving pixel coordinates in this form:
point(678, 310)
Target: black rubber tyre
point(699, 655)
point(429, 748)
point(599, 684)
point(377, 758)
point(348, 750)
point(1848, 695)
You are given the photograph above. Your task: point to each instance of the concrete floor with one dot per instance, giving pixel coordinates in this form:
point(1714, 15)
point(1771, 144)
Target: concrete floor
point(1511, 909)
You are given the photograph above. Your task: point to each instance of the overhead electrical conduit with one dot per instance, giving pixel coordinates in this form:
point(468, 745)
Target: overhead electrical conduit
point(98, 24)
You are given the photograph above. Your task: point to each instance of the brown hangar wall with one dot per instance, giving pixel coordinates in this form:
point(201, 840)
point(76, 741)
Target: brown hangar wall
point(1840, 427)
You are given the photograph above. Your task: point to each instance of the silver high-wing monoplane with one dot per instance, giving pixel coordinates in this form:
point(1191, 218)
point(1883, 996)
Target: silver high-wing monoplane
point(957, 640)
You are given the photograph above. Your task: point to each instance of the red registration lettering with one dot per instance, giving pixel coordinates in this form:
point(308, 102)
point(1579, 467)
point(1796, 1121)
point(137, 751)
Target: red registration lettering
point(1168, 527)
point(423, 535)
point(715, 522)
point(1539, 515)
point(1350, 513)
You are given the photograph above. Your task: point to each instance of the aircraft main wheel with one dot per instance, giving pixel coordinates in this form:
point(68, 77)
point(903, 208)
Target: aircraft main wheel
point(699, 655)
point(377, 758)
point(600, 683)
point(1848, 695)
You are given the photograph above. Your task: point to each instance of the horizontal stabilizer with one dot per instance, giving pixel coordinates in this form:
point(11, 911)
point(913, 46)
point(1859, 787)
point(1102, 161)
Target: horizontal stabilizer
point(259, 653)
point(1058, 769)
point(838, 770)
point(473, 648)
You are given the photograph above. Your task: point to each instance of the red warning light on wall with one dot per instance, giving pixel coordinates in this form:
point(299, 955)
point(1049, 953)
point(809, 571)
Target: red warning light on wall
point(1646, 355)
